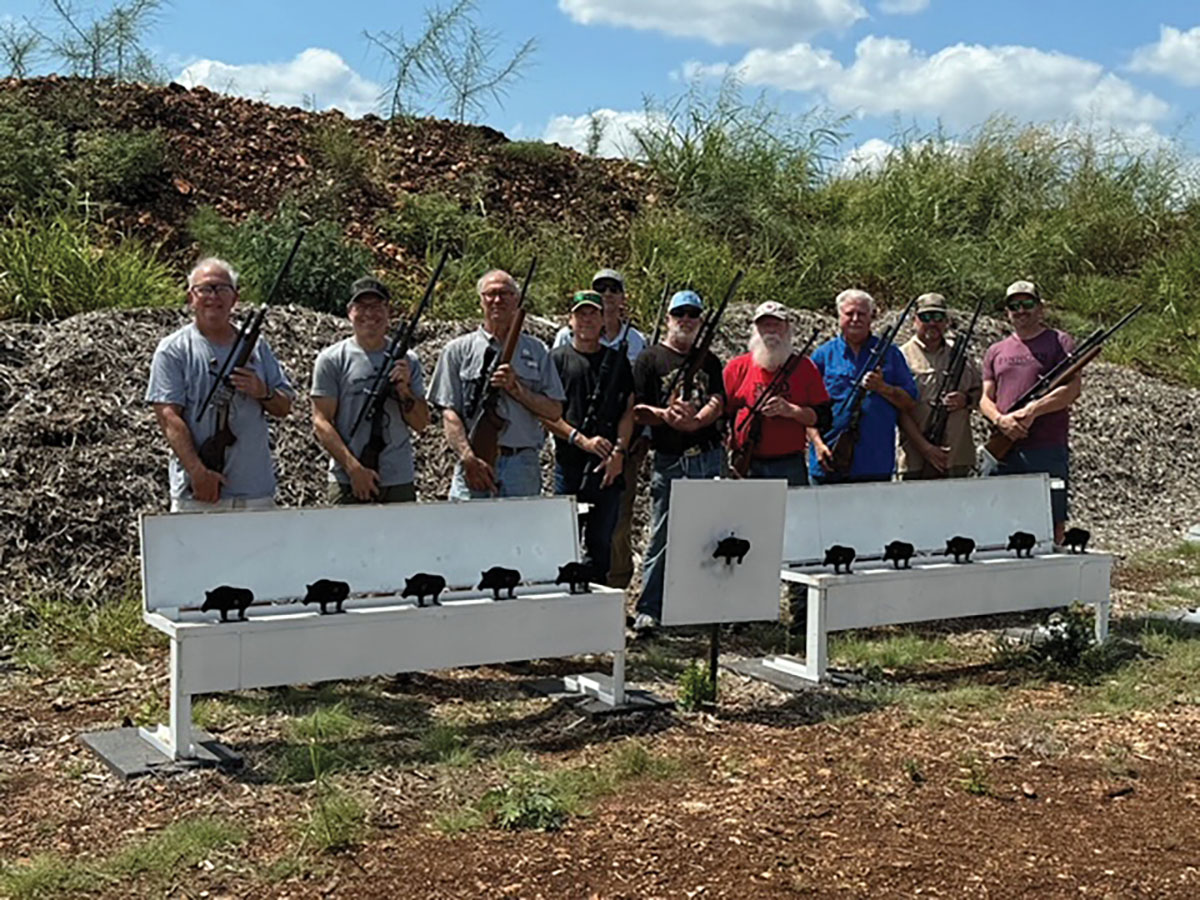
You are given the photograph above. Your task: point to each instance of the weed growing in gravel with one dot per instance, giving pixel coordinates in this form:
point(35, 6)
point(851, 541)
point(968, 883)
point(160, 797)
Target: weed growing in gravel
point(340, 153)
point(336, 821)
point(446, 744)
point(322, 742)
point(697, 688)
point(975, 780)
point(47, 875)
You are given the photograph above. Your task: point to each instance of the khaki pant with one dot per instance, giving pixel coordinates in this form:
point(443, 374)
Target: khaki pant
point(343, 495)
point(620, 570)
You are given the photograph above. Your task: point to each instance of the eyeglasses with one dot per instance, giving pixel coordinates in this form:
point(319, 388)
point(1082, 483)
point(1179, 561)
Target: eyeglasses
point(608, 287)
point(686, 312)
point(498, 293)
point(1022, 303)
point(933, 315)
point(208, 291)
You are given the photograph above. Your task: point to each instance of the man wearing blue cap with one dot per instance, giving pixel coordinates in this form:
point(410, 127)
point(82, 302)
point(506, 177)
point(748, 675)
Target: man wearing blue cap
point(683, 433)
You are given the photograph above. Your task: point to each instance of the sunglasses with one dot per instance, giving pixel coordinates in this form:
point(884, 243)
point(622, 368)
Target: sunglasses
point(608, 287)
point(686, 312)
point(932, 316)
point(1023, 303)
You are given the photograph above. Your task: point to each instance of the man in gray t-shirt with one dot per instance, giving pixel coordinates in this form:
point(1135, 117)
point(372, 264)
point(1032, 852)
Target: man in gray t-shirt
point(182, 373)
point(342, 376)
point(530, 390)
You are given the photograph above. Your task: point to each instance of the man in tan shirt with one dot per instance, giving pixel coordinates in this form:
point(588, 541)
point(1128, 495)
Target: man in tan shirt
point(928, 356)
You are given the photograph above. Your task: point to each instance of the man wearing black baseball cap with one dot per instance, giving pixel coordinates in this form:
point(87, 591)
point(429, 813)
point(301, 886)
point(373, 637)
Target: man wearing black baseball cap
point(342, 376)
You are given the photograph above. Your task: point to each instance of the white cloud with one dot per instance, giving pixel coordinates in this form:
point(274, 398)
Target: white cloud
point(616, 139)
point(961, 85)
point(767, 23)
point(1175, 56)
point(316, 74)
point(869, 156)
point(903, 7)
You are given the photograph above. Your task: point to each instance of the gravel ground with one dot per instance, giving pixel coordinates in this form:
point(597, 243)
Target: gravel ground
point(80, 456)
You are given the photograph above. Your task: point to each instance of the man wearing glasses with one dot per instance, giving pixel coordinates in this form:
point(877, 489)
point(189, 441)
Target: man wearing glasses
point(610, 285)
point(530, 390)
point(683, 434)
point(183, 372)
point(341, 378)
point(1010, 368)
point(928, 355)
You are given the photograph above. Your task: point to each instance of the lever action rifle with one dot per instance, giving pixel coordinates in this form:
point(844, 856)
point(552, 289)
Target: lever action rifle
point(935, 430)
point(1063, 372)
point(845, 439)
point(593, 423)
point(752, 425)
point(381, 385)
point(212, 451)
point(684, 377)
point(485, 423)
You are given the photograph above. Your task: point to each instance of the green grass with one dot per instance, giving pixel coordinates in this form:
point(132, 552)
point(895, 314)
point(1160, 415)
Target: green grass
point(150, 862)
point(447, 745)
point(535, 152)
point(891, 651)
point(324, 741)
point(337, 820)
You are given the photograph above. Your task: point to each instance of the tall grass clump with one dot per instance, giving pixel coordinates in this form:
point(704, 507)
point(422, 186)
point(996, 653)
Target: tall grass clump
point(120, 166)
point(33, 153)
point(61, 265)
point(325, 266)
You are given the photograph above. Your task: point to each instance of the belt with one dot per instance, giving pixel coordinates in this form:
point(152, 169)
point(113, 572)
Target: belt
point(690, 451)
point(513, 451)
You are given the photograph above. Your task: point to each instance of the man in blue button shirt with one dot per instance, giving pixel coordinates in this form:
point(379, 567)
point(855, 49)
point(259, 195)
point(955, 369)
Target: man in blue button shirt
point(890, 391)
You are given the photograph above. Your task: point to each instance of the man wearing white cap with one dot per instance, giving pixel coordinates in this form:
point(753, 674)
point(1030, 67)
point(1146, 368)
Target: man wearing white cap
point(683, 434)
point(1010, 368)
point(775, 435)
point(928, 355)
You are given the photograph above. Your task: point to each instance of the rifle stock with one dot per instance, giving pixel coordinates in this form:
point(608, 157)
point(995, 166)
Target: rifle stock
point(484, 432)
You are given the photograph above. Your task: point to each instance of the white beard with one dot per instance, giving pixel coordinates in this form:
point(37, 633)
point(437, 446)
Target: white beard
point(769, 351)
point(676, 335)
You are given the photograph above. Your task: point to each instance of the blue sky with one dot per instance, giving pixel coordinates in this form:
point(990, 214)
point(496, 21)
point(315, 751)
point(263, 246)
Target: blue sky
point(885, 64)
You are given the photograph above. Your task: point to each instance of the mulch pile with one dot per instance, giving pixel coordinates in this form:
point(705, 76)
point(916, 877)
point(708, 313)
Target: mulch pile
point(81, 457)
point(241, 156)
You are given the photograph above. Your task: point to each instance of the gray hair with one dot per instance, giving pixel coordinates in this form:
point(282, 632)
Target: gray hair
point(212, 262)
point(490, 273)
point(850, 294)
point(791, 328)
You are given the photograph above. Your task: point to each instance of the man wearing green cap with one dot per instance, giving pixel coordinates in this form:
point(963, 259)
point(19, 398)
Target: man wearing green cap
point(342, 376)
point(592, 436)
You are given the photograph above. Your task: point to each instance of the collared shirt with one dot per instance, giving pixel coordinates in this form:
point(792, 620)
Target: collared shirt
point(183, 371)
point(634, 347)
point(841, 368)
point(928, 369)
point(345, 372)
point(459, 375)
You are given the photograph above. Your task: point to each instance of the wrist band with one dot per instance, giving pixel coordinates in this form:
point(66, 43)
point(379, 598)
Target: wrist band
point(573, 436)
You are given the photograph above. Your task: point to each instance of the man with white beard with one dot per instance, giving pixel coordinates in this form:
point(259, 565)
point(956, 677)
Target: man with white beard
point(775, 435)
point(683, 434)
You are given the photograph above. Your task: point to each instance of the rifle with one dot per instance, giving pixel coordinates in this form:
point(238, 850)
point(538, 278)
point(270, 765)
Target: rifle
point(662, 312)
point(739, 457)
point(935, 429)
point(212, 451)
point(847, 438)
point(593, 476)
point(1063, 372)
point(485, 424)
point(380, 389)
point(681, 383)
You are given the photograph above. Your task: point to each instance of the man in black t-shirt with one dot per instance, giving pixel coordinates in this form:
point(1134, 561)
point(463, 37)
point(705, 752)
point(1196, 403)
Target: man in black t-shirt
point(593, 434)
point(683, 434)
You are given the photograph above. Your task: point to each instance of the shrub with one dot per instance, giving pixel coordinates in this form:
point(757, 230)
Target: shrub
point(121, 166)
point(59, 266)
point(321, 274)
point(33, 152)
point(697, 688)
point(340, 154)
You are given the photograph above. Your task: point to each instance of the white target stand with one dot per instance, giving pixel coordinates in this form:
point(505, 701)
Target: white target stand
point(702, 588)
point(374, 548)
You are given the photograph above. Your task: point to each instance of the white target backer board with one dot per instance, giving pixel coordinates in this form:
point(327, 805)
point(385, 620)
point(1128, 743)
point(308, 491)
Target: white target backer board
point(699, 589)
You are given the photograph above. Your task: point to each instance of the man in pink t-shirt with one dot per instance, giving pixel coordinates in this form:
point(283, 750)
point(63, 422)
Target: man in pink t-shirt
point(1010, 368)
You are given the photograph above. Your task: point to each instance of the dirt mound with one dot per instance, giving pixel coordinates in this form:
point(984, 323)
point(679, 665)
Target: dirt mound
point(81, 457)
point(241, 156)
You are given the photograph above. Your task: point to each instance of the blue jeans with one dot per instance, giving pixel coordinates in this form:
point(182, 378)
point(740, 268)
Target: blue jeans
point(518, 475)
point(601, 518)
point(1054, 461)
point(793, 467)
point(668, 467)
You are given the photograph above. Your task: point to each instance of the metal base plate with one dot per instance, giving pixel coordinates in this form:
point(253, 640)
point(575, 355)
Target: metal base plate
point(564, 689)
point(757, 669)
point(128, 755)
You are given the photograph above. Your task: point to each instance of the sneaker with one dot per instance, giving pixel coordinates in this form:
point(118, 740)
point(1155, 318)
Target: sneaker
point(644, 623)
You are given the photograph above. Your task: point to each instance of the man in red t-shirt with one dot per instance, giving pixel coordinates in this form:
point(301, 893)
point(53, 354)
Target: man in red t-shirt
point(775, 432)
point(1010, 368)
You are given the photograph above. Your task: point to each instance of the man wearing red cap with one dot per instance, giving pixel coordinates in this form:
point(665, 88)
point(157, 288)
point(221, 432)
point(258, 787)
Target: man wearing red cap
point(777, 431)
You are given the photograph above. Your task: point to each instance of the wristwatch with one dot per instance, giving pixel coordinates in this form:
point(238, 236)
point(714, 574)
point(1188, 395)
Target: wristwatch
point(268, 398)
